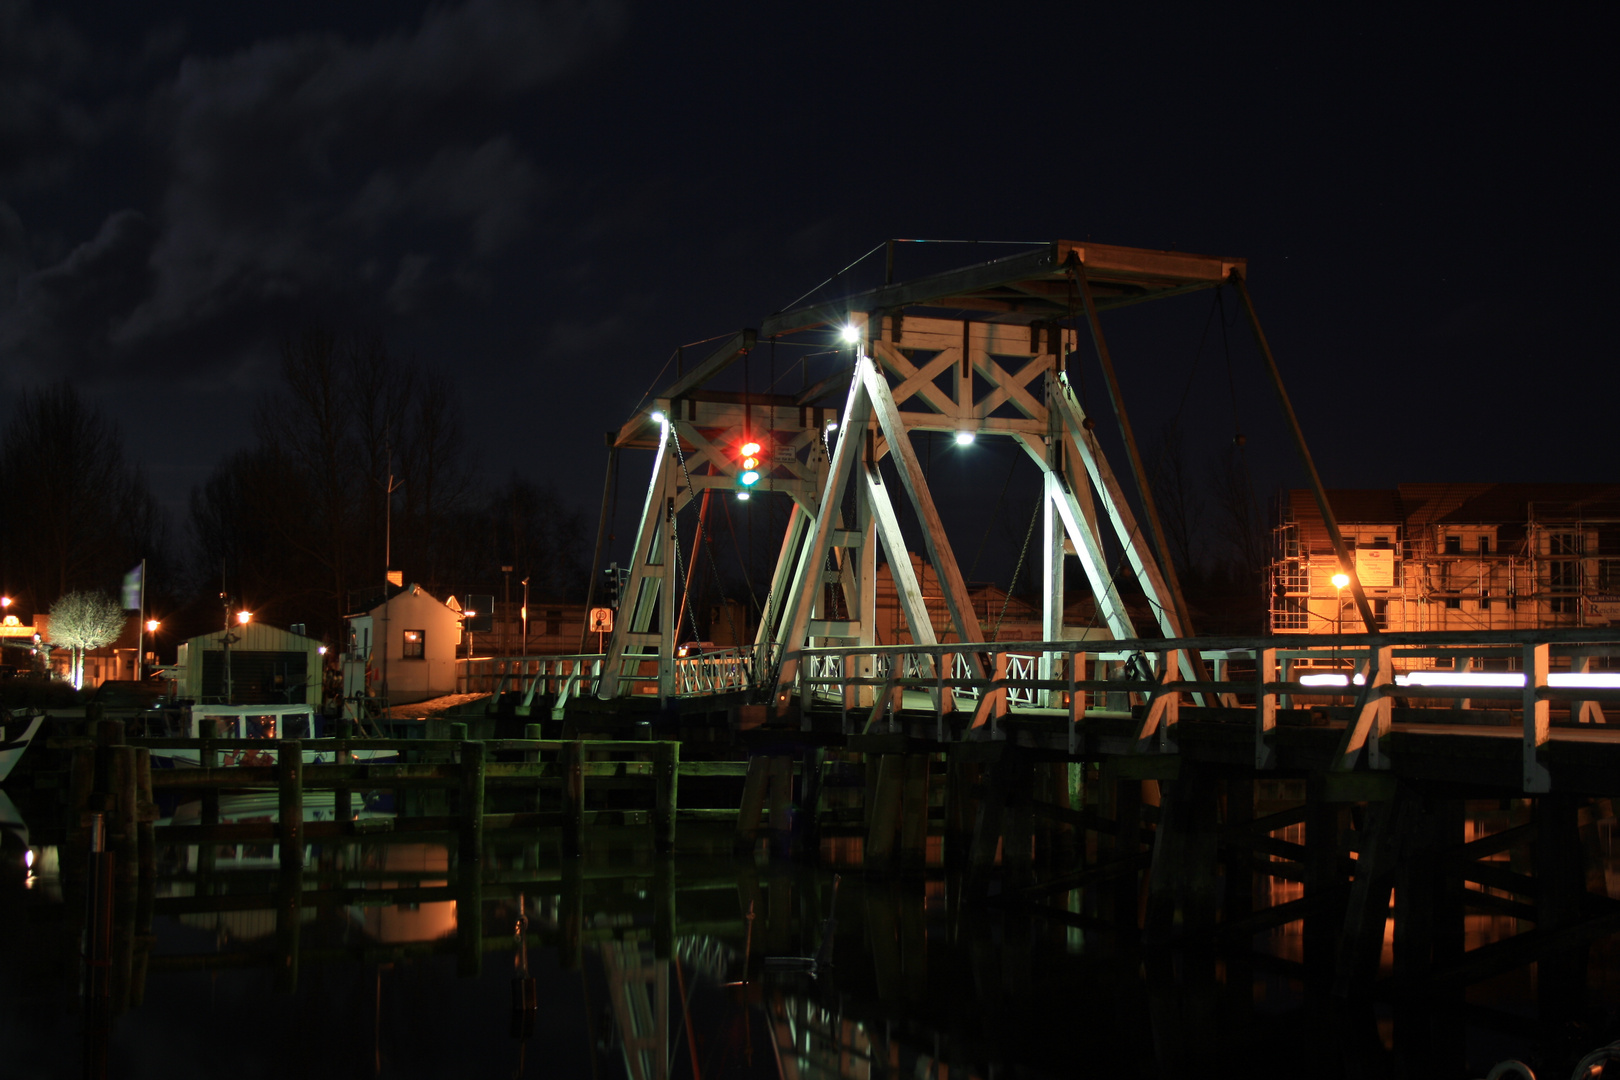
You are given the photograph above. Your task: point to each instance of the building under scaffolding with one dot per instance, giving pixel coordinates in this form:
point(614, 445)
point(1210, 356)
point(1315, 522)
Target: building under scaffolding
point(1452, 557)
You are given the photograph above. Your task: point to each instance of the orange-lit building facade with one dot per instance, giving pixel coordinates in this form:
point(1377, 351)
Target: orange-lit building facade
point(1452, 557)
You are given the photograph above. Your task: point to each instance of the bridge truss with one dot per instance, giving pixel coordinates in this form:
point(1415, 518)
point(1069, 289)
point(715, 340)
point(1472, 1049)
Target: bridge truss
point(979, 352)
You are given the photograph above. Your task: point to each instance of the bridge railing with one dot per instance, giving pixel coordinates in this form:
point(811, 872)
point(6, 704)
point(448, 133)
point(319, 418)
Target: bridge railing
point(1576, 671)
point(719, 672)
point(556, 678)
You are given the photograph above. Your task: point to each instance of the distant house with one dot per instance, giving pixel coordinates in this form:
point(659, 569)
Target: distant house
point(404, 649)
point(266, 666)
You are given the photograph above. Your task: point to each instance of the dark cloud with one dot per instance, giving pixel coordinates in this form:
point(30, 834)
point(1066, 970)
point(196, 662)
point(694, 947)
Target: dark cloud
point(302, 178)
point(40, 129)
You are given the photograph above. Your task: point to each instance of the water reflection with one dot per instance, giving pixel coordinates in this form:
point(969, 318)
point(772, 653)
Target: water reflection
point(406, 959)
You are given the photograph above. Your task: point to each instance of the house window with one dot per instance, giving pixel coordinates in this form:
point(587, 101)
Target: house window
point(415, 644)
point(1484, 600)
point(1381, 613)
point(1564, 605)
point(1484, 545)
point(1564, 543)
point(1453, 545)
point(1609, 576)
point(1454, 602)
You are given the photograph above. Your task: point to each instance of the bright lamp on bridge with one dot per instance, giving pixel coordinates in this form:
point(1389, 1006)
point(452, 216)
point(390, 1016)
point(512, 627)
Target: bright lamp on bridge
point(850, 333)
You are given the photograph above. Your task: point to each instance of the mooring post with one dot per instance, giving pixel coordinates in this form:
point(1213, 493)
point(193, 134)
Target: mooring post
point(121, 781)
point(663, 907)
point(472, 802)
point(753, 805)
point(914, 820)
point(342, 803)
point(1560, 865)
point(289, 922)
point(573, 759)
point(145, 815)
point(807, 830)
point(666, 781)
point(290, 777)
point(208, 758)
point(571, 952)
point(884, 815)
point(533, 732)
point(470, 920)
point(781, 802)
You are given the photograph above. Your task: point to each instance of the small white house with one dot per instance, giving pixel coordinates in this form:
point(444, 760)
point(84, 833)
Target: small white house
point(266, 665)
point(404, 649)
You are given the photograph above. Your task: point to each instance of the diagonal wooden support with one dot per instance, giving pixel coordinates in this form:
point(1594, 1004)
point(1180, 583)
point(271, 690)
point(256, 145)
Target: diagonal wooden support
point(1158, 722)
point(1371, 721)
point(1537, 718)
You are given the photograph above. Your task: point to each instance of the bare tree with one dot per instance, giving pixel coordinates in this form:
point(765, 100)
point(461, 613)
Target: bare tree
point(300, 519)
point(78, 513)
point(82, 621)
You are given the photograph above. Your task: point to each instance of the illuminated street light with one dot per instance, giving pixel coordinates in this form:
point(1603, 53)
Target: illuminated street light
point(244, 617)
point(1340, 580)
point(850, 333)
point(658, 416)
point(321, 649)
point(152, 626)
point(5, 602)
point(964, 438)
point(832, 425)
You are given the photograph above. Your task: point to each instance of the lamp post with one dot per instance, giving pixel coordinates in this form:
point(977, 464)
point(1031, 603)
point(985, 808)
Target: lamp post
point(151, 630)
point(1340, 580)
point(506, 609)
point(525, 614)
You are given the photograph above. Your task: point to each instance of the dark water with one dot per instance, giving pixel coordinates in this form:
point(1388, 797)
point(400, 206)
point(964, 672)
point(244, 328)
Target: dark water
point(399, 960)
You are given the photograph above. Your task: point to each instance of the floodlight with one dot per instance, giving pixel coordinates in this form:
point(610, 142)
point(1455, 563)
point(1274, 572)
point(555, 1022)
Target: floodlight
point(1340, 580)
point(244, 617)
point(152, 626)
point(658, 416)
point(963, 438)
point(850, 333)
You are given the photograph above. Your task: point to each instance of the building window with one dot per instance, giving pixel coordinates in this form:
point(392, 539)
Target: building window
point(1564, 544)
point(1453, 545)
point(1454, 602)
point(415, 644)
point(1484, 545)
point(1484, 600)
point(1608, 574)
point(1564, 605)
point(1381, 613)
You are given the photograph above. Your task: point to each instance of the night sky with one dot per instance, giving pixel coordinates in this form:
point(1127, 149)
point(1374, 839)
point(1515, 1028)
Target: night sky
point(546, 199)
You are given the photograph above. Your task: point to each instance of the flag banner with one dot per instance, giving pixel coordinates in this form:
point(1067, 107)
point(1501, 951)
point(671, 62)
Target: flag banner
point(132, 589)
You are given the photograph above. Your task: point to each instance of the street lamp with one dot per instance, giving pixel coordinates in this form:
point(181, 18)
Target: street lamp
point(1340, 580)
point(244, 617)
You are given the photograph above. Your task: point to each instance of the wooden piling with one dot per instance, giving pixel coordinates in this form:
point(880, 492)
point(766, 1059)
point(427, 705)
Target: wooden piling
point(752, 807)
point(914, 819)
point(573, 759)
point(883, 815)
point(472, 803)
point(121, 831)
point(666, 790)
point(208, 758)
point(780, 798)
point(535, 732)
point(807, 831)
point(290, 776)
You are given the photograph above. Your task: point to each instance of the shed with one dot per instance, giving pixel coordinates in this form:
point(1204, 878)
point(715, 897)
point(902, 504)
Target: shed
point(418, 635)
point(268, 666)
